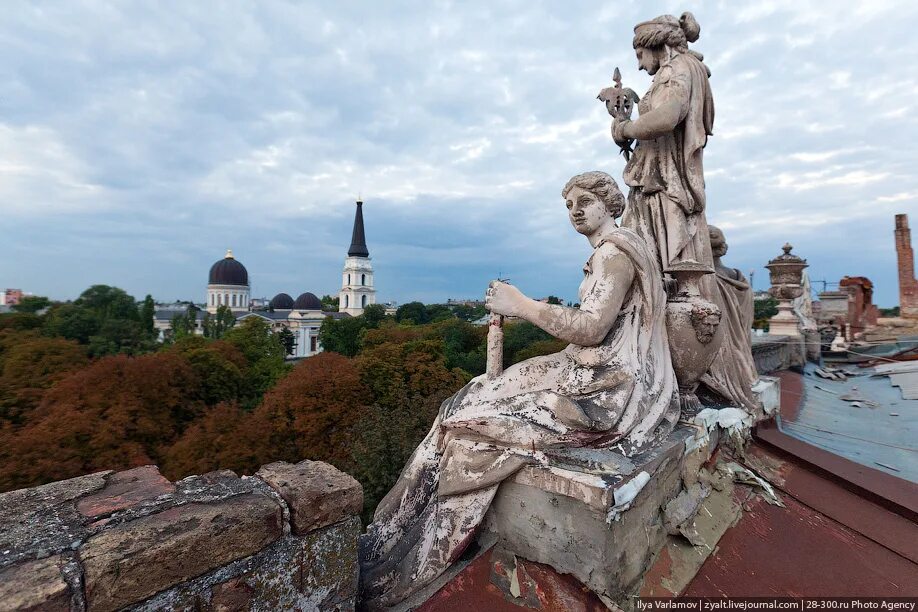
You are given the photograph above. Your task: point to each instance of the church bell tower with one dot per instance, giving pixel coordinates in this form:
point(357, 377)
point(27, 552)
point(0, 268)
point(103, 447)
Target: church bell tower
point(357, 288)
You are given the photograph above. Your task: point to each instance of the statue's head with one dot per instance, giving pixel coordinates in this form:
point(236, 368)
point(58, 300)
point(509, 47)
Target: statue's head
point(661, 37)
point(718, 242)
point(592, 198)
point(705, 321)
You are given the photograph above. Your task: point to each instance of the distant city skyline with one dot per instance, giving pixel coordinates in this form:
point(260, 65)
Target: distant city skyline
point(138, 143)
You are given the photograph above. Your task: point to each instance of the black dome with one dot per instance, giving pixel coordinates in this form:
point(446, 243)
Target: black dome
point(307, 301)
point(228, 271)
point(282, 301)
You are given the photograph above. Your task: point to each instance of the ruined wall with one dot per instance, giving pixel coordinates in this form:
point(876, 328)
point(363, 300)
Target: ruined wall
point(862, 313)
point(283, 539)
point(908, 285)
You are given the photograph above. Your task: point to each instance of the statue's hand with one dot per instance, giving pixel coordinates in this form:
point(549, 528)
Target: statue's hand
point(619, 135)
point(504, 299)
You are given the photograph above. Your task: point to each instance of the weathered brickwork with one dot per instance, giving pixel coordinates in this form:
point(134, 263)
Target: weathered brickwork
point(908, 285)
point(133, 540)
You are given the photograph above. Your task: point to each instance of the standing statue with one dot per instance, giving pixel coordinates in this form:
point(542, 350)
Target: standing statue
point(665, 174)
point(733, 372)
point(613, 386)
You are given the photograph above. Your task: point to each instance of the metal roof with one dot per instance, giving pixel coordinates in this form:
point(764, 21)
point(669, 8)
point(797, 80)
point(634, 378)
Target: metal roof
point(864, 418)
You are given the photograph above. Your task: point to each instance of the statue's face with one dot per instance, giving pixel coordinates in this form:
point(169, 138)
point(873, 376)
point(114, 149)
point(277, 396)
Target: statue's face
point(586, 211)
point(718, 242)
point(647, 60)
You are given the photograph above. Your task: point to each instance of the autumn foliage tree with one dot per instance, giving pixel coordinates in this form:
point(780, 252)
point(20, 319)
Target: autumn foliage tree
point(309, 414)
point(29, 365)
point(408, 382)
point(117, 413)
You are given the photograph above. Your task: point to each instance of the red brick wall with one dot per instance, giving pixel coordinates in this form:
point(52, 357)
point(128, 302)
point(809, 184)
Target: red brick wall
point(861, 311)
point(908, 286)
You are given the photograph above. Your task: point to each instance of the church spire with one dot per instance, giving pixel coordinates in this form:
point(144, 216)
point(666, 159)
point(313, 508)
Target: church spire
point(358, 238)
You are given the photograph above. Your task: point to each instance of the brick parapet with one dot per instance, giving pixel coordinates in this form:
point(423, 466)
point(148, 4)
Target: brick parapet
point(134, 540)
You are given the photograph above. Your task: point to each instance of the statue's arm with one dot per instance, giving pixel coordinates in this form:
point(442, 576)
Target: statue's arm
point(588, 325)
point(666, 115)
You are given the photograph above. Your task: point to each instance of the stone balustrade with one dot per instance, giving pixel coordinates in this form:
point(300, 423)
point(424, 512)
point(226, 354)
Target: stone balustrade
point(283, 539)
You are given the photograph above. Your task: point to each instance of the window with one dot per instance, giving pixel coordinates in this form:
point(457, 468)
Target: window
point(313, 344)
point(234, 300)
point(211, 299)
point(348, 279)
point(363, 301)
point(345, 300)
point(226, 299)
point(363, 279)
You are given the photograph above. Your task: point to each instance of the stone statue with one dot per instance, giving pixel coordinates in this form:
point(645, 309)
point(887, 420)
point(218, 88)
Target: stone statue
point(665, 174)
point(733, 372)
point(612, 387)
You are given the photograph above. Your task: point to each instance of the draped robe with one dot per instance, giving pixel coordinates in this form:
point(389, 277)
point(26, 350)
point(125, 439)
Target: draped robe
point(621, 394)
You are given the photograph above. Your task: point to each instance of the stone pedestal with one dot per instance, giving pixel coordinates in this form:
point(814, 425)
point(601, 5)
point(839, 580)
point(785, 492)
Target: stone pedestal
point(785, 323)
point(599, 521)
point(602, 517)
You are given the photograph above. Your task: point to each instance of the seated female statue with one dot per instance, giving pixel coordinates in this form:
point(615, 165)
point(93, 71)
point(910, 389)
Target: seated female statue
point(613, 386)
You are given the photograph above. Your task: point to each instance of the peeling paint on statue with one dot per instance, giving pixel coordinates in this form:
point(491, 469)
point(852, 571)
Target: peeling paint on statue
point(612, 387)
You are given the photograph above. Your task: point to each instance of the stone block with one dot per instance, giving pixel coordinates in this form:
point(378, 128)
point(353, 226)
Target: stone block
point(317, 571)
point(124, 490)
point(42, 520)
point(230, 596)
point(34, 586)
point(317, 493)
point(134, 560)
point(602, 528)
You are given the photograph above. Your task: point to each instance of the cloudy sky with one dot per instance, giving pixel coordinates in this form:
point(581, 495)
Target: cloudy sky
point(139, 140)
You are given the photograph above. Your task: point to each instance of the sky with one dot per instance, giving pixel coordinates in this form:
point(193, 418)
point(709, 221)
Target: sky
point(140, 140)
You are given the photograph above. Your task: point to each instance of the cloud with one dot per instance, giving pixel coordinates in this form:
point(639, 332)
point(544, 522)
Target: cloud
point(140, 141)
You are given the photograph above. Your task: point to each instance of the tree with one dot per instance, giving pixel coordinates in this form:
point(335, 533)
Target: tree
point(264, 352)
point(329, 303)
point(288, 339)
point(182, 325)
point(120, 336)
point(439, 312)
point(220, 366)
point(117, 413)
point(31, 304)
point(373, 315)
point(72, 322)
point(341, 335)
point(469, 313)
point(520, 336)
point(345, 335)
point(147, 314)
point(20, 321)
point(554, 300)
point(30, 365)
point(762, 311)
point(108, 303)
point(309, 414)
point(414, 313)
point(217, 325)
point(408, 382)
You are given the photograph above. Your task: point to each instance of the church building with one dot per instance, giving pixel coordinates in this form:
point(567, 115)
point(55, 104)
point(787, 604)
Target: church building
point(357, 288)
point(228, 285)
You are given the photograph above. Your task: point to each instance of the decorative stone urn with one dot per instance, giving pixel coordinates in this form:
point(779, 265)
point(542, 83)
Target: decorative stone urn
point(786, 285)
point(695, 333)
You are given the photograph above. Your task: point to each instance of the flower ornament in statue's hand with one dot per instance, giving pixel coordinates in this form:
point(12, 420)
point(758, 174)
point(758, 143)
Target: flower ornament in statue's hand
point(504, 299)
